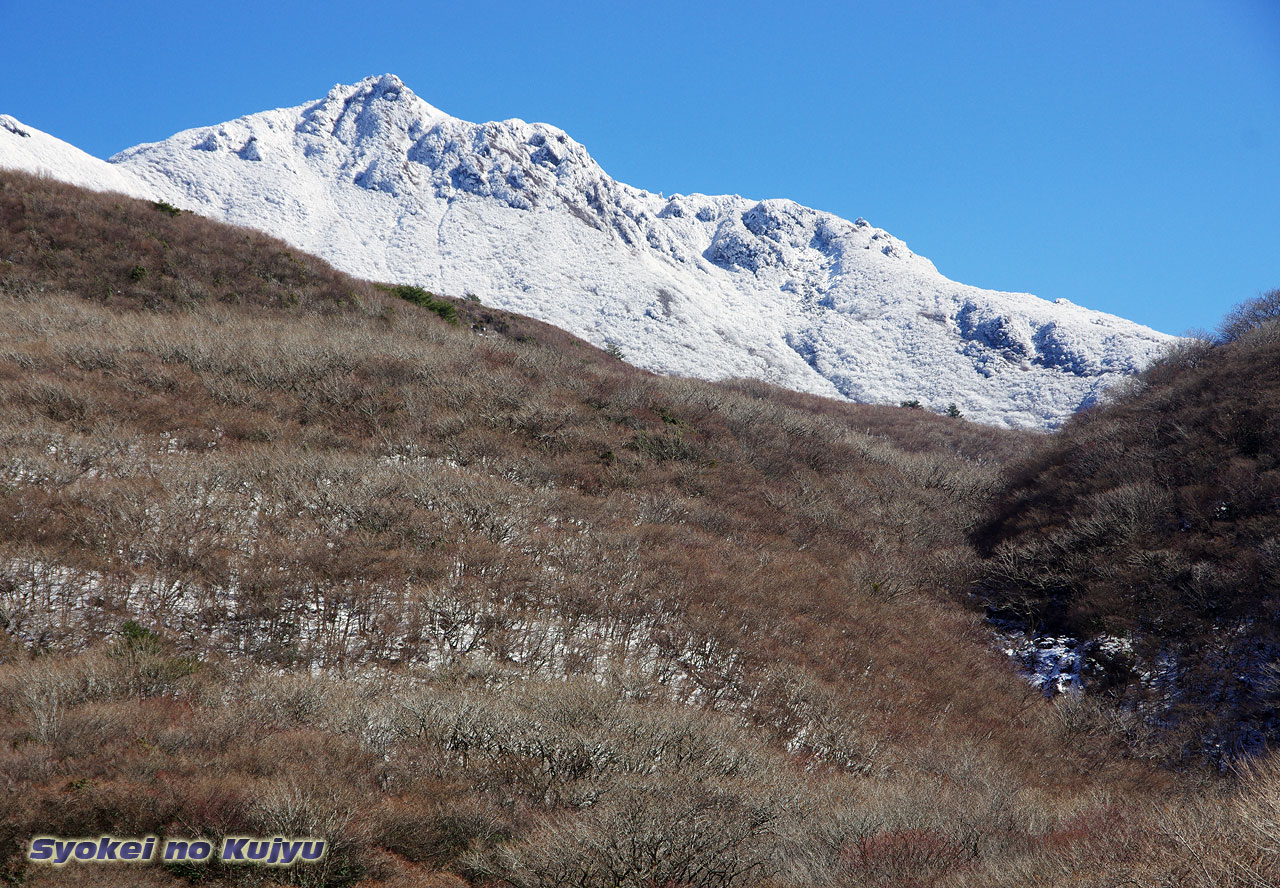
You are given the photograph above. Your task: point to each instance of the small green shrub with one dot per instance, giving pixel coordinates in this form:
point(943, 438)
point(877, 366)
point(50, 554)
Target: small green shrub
point(166, 207)
point(146, 666)
point(667, 416)
point(666, 447)
point(913, 404)
point(137, 635)
point(424, 299)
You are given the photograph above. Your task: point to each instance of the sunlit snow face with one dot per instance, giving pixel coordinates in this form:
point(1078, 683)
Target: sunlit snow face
point(385, 186)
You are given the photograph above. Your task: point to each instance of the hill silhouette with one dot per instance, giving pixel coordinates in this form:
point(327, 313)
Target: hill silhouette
point(1154, 520)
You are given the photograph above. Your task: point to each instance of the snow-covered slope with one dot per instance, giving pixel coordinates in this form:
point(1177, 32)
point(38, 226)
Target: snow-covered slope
point(26, 148)
point(385, 186)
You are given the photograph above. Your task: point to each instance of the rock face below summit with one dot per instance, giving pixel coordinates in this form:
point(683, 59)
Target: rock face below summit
point(385, 186)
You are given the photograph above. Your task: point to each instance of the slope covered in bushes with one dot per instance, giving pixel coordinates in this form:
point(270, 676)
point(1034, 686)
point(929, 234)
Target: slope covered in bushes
point(282, 552)
point(1155, 520)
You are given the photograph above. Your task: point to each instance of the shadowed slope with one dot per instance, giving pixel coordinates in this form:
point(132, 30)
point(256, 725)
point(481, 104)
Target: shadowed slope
point(1154, 520)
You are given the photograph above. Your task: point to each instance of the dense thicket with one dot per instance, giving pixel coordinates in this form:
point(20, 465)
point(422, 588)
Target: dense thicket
point(1155, 518)
point(282, 552)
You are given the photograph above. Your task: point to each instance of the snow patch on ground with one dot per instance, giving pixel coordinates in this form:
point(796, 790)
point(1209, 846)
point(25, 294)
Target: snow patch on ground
point(1060, 664)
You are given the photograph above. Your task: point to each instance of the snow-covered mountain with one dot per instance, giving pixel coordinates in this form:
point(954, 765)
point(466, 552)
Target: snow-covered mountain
point(387, 187)
point(26, 148)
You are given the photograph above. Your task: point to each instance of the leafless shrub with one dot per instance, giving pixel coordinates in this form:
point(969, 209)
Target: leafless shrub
point(290, 808)
point(1250, 315)
point(676, 832)
point(44, 689)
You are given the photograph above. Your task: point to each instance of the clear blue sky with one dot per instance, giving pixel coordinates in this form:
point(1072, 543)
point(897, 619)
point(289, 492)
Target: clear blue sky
point(1123, 155)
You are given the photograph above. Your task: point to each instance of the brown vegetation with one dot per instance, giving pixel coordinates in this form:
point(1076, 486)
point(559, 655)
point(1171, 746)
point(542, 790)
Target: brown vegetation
point(280, 552)
point(1154, 519)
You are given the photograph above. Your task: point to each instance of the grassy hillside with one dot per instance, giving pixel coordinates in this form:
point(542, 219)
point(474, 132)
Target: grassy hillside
point(284, 553)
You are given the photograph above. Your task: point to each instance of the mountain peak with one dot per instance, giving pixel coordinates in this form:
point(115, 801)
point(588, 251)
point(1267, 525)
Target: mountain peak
point(373, 109)
point(382, 88)
point(385, 83)
point(388, 187)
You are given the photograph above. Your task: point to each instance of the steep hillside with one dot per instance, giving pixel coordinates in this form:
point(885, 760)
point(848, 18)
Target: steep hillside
point(1149, 529)
point(385, 186)
point(284, 552)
